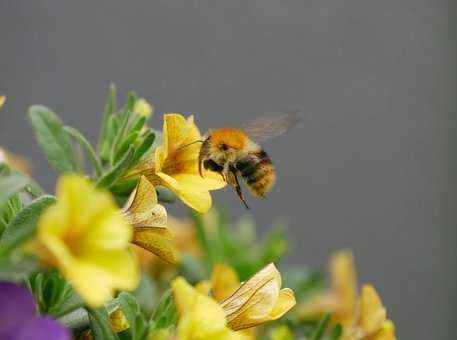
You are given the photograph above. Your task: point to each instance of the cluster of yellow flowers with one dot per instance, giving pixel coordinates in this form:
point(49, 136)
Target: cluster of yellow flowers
point(362, 317)
point(89, 239)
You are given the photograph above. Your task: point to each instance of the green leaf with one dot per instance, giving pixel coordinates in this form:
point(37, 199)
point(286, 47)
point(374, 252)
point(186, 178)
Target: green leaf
point(11, 184)
point(110, 108)
point(165, 314)
point(87, 147)
point(24, 225)
point(336, 332)
point(320, 328)
point(100, 324)
point(76, 320)
point(117, 171)
point(52, 138)
point(132, 312)
point(131, 138)
point(144, 147)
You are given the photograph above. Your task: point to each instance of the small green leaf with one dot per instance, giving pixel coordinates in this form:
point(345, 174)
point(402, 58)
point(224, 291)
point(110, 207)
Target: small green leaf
point(132, 313)
point(24, 225)
point(52, 138)
point(145, 145)
point(320, 328)
point(131, 138)
point(110, 108)
point(117, 171)
point(11, 184)
point(336, 332)
point(100, 324)
point(87, 147)
point(165, 314)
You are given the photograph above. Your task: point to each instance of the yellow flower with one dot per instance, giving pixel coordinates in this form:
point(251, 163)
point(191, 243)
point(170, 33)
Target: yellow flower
point(200, 317)
point(149, 222)
point(370, 322)
point(340, 299)
point(143, 108)
point(258, 300)
point(175, 164)
point(88, 240)
point(362, 317)
point(224, 281)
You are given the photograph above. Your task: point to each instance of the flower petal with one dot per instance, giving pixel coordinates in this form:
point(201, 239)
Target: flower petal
point(97, 276)
point(224, 281)
point(18, 299)
point(285, 302)
point(344, 286)
point(175, 131)
point(255, 300)
point(156, 240)
point(200, 316)
point(40, 329)
point(372, 314)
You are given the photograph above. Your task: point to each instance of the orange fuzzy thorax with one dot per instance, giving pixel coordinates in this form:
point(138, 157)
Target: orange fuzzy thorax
point(233, 138)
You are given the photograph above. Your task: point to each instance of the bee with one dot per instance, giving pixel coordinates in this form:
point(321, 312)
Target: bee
point(234, 152)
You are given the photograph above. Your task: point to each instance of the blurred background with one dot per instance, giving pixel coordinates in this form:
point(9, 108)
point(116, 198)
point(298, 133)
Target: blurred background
point(370, 168)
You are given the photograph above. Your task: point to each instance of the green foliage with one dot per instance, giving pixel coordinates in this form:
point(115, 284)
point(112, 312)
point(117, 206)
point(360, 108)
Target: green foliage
point(100, 324)
point(237, 245)
point(138, 326)
point(52, 138)
point(23, 226)
point(124, 141)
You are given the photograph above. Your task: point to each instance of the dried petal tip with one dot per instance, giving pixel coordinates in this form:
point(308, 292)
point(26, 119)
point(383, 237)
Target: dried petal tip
point(149, 222)
point(258, 300)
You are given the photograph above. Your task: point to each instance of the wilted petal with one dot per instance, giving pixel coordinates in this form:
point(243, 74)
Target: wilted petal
point(158, 241)
point(118, 320)
point(142, 198)
point(258, 300)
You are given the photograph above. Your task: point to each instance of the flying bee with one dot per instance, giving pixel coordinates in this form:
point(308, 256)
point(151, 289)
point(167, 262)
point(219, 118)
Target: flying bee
point(232, 152)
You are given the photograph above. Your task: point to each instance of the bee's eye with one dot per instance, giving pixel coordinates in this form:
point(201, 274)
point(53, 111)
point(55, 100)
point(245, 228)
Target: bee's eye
point(223, 147)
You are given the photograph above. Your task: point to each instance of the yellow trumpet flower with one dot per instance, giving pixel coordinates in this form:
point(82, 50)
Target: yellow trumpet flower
point(370, 321)
point(175, 164)
point(200, 317)
point(88, 240)
point(362, 317)
point(149, 222)
point(258, 300)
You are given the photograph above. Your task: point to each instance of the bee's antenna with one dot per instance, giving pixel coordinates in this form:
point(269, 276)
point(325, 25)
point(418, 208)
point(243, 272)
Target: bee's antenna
point(189, 144)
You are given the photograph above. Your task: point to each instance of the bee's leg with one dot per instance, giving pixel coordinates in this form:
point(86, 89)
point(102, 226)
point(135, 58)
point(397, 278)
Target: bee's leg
point(233, 180)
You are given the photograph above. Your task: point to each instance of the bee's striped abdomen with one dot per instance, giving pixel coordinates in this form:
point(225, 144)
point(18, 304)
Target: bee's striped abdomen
point(258, 171)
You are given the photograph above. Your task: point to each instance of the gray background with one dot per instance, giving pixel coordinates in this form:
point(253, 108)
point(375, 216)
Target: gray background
point(370, 167)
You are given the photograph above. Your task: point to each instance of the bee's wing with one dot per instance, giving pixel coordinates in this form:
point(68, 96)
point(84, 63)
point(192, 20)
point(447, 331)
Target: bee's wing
point(269, 127)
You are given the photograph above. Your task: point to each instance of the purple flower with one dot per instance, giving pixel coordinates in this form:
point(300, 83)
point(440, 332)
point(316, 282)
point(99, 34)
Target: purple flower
point(18, 319)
